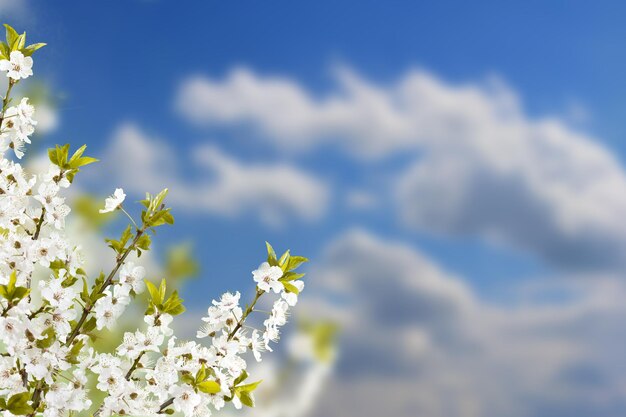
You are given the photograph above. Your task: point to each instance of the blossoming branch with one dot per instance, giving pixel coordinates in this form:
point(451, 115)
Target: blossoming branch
point(47, 328)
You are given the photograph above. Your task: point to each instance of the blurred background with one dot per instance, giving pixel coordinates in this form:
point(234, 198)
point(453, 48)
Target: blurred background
point(454, 170)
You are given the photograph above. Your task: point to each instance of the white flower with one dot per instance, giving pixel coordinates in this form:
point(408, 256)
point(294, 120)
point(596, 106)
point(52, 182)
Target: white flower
point(228, 301)
point(150, 340)
point(129, 347)
point(185, 400)
point(11, 331)
point(132, 276)
point(279, 313)
point(57, 295)
point(107, 310)
point(57, 215)
point(18, 67)
point(26, 111)
point(113, 202)
point(36, 363)
point(267, 276)
point(59, 320)
point(257, 345)
point(161, 323)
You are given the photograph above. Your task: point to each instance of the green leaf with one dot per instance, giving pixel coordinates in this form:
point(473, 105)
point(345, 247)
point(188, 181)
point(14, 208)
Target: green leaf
point(89, 325)
point(188, 379)
point(295, 261)
point(201, 375)
point(30, 49)
point(4, 50)
point(290, 287)
point(72, 356)
point(20, 293)
point(78, 153)
point(11, 35)
point(20, 42)
point(284, 259)
point(246, 398)
point(162, 289)
point(249, 387)
point(174, 305)
point(271, 255)
point(290, 276)
point(62, 154)
point(209, 387)
point(144, 242)
point(11, 292)
point(84, 294)
point(150, 310)
point(242, 377)
point(48, 340)
point(12, 282)
point(52, 155)
point(80, 162)
point(154, 292)
point(158, 200)
point(18, 404)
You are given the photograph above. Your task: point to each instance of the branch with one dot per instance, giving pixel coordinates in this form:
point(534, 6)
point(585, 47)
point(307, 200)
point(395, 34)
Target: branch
point(107, 282)
point(39, 224)
point(5, 100)
point(245, 315)
point(165, 405)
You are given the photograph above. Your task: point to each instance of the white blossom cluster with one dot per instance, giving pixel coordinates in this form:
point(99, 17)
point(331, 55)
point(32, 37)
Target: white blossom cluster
point(214, 370)
point(47, 357)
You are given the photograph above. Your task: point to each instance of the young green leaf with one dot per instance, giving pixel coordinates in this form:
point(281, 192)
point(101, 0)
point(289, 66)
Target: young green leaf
point(209, 387)
point(18, 404)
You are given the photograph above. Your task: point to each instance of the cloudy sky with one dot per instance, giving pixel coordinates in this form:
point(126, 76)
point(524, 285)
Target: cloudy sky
point(454, 171)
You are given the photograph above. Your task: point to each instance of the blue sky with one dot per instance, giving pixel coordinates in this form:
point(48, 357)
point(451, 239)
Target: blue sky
point(454, 170)
point(130, 57)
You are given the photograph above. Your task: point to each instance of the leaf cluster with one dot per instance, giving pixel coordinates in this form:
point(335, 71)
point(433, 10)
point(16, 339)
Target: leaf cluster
point(59, 156)
point(173, 305)
point(155, 213)
point(244, 391)
point(12, 293)
point(201, 381)
point(17, 42)
point(124, 243)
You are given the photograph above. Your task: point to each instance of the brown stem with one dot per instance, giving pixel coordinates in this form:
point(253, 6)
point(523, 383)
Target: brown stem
point(134, 366)
point(35, 313)
point(165, 405)
point(39, 224)
point(36, 397)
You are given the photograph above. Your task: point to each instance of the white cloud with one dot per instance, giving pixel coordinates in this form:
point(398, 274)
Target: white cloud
point(13, 8)
point(222, 185)
point(417, 341)
point(481, 166)
point(361, 118)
